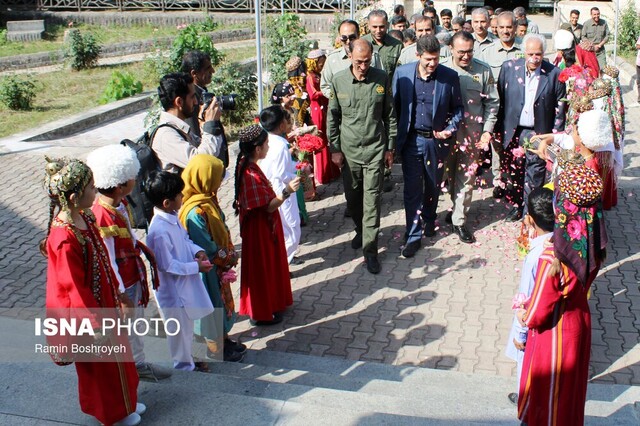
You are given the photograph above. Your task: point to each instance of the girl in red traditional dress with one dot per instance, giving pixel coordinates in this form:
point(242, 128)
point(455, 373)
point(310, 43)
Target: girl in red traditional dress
point(265, 284)
point(553, 385)
point(324, 169)
point(81, 285)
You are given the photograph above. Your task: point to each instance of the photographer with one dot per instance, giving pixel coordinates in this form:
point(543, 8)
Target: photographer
point(174, 145)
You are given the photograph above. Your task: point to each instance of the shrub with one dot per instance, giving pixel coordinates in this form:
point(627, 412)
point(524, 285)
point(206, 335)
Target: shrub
point(3, 37)
point(227, 80)
point(207, 25)
point(628, 29)
point(285, 38)
point(121, 85)
point(81, 50)
point(190, 38)
point(17, 93)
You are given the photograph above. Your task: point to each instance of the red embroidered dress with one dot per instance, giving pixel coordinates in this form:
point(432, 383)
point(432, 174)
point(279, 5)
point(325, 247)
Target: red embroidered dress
point(324, 170)
point(553, 385)
point(265, 285)
point(80, 281)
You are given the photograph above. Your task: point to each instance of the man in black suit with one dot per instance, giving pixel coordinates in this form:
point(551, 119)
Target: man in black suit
point(530, 103)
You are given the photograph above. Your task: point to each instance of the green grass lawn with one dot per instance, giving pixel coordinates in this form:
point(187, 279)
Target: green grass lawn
point(64, 93)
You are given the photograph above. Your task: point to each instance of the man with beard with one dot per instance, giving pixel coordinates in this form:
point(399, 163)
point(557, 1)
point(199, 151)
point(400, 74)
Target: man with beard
point(429, 108)
point(175, 144)
point(387, 47)
point(424, 26)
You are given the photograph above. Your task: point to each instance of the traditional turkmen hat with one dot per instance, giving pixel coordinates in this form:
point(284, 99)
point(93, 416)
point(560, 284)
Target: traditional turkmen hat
point(595, 129)
point(580, 184)
point(563, 39)
point(113, 165)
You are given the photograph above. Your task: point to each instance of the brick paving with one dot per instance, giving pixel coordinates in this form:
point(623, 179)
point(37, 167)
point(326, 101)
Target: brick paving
point(447, 308)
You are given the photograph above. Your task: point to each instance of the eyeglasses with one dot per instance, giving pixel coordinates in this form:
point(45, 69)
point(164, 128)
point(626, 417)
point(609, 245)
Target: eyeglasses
point(462, 53)
point(350, 37)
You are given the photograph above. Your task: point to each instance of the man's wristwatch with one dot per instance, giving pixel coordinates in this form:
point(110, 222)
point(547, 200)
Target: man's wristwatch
point(285, 194)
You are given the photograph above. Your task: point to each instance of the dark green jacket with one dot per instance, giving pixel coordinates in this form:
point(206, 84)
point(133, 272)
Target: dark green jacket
point(361, 120)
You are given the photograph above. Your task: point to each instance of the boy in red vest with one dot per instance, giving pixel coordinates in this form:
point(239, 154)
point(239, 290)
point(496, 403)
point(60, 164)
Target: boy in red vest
point(115, 168)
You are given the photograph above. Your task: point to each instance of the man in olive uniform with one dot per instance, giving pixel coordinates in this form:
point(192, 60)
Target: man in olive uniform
point(480, 22)
point(424, 26)
point(387, 47)
point(481, 103)
point(389, 50)
point(362, 132)
point(596, 31)
point(339, 59)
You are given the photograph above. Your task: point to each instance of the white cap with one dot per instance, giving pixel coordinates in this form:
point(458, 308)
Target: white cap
point(595, 130)
point(113, 165)
point(563, 39)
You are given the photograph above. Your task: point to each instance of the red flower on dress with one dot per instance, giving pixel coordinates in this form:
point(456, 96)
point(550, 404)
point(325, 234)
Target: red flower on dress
point(577, 229)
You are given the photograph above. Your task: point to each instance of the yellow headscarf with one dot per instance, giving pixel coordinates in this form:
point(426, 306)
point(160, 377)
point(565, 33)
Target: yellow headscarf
point(202, 178)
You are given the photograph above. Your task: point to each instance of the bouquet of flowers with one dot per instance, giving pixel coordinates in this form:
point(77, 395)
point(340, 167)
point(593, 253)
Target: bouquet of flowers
point(309, 144)
point(577, 80)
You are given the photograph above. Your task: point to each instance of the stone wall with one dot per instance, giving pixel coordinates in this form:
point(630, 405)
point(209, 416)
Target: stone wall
point(314, 23)
point(120, 49)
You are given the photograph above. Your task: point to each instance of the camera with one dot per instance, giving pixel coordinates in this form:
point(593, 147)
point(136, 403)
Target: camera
point(227, 102)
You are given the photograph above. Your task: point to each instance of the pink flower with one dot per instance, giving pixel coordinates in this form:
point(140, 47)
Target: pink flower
point(518, 152)
point(519, 301)
point(576, 229)
point(229, 276)
point(570, 207)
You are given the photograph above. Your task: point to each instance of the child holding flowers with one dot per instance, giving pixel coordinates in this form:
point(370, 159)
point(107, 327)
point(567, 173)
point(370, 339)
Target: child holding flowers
point(204, 220)
point(280, 168)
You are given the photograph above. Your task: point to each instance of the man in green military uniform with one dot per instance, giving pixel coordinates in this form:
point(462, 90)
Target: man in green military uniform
point(339, 59)
point(389, 50)
point(362, 132)
point(481, 103)
point(387, 47)
point(596, 32)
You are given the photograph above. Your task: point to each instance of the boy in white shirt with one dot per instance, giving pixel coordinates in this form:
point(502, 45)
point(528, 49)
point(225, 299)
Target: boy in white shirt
point(181, 295)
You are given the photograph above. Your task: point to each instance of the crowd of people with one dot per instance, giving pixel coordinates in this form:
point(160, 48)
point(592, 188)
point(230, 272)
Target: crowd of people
point(450, 100)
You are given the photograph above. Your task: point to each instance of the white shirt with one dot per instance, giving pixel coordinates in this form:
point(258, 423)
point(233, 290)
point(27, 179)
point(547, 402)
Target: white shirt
point(174, 151)
point(180, 282)
point(531, 80)
point(278, 166)
point(527, 282)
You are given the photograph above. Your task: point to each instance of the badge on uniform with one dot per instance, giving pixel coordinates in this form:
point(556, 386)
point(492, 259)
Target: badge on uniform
point(476, 78)
point(379, 89)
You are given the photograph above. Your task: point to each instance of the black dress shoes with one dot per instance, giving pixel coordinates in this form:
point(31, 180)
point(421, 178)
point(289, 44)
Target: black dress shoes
point(296, 261)
point(411, 249)
point(373, 264)
point(498, 192)
point(513, 398)
point(356, 243)
point(514, 215)
point(449, 218)
point(429, 229)
point(277, 319)
point(465, 235)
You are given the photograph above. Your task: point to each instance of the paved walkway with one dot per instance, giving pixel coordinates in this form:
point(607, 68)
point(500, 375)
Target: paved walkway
point(447, 308)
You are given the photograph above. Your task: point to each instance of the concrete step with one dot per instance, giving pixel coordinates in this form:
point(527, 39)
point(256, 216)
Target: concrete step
point(282, 388)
